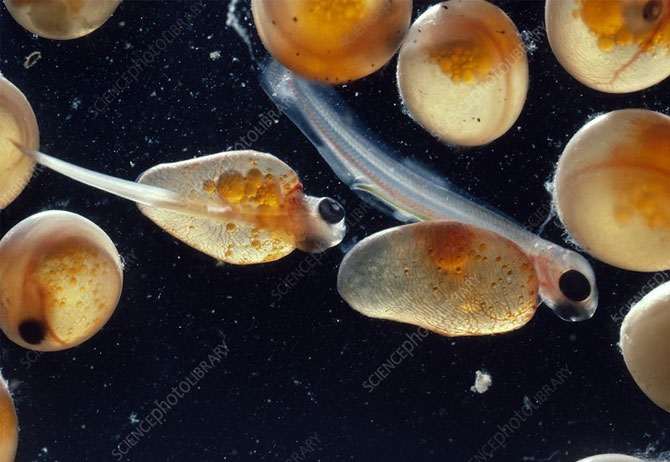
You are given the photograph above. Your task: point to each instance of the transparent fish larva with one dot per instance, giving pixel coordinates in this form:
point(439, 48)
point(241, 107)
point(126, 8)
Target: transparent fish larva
point(615, 46)
point(17, 123)
point(463, 72)
point(448, 277)
point(241, 207)
point(369, 167)
point(645, 343)
point(9, 428)
point(61, 19)
point(270, 215)
point(611, 189)
point(60, 281)
point(332, 41)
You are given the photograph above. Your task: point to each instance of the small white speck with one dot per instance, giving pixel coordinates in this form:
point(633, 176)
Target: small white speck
point(483, 382)
point(214, 55)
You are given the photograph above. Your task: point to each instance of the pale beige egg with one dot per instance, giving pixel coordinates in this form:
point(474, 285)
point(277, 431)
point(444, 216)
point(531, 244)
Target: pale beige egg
point(615, 46)
point(61, 19)
point(60, 281)
point(611, 189)
point(463, 72)
point(645, 343)
point(17, 124)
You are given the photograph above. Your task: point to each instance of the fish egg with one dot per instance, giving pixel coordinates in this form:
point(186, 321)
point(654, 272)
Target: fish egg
point(463, 72)
point(61, 19)
point(611, 189)
point(645, 343)
point(17, 123)
point(332, 41)
point(614, 46)
point(610, 458)
point(60, 281)
point(9, 428)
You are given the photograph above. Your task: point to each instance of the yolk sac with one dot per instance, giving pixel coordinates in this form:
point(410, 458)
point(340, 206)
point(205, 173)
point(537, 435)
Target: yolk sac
point(332, 41)
point(463, 72)
point(612, 186)
point(9, 428)
point(17, 123)
point(448, 277)
point(60, 281)
point(645, 343)
point(61, 19)
point(615, 46)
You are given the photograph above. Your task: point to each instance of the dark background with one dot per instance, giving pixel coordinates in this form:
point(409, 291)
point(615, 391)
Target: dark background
point(296, 365)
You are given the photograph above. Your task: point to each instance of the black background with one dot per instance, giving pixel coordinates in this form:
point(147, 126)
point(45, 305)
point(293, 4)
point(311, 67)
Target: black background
point(296, 365)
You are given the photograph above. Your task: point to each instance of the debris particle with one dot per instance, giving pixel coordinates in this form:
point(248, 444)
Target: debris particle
point(214, 55)
point(32, 59)
point(482, 382)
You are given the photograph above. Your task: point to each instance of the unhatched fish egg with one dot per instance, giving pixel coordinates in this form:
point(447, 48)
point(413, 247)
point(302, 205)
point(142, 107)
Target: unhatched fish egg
point(61, 19)
point(645, 343)
point(9, 429)
point(17, 123)
point(332, 41)
point(616, 46)
point(611, 189)
point(611, 458)
point(463, 72)
point(60, 281)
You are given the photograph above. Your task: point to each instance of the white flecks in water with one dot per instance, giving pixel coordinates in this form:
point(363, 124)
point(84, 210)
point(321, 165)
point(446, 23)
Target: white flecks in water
point(529, 40)
point(483, 382)
point(133, 418)
point(214, 55)
point(76, 103)
point(234, 23)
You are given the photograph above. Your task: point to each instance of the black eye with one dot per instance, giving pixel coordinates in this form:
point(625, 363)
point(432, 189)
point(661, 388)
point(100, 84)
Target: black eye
point(574, 285)
point(652, 10)
point(32, 331)
point(331, 211)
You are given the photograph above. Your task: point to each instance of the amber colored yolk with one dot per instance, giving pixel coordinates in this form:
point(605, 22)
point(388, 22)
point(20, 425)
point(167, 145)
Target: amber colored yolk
point(464, 62)
point(252, 190)
point(75, 281)
point(607, 20)
point(76, 5)
point(460, 256)
point(643, 187)
point(332, 17)
point(450, 256)
point(263, 202)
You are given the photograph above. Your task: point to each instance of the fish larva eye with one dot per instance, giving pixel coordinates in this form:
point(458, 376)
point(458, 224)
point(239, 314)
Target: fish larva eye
point(331, 211)
point(574, 285)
